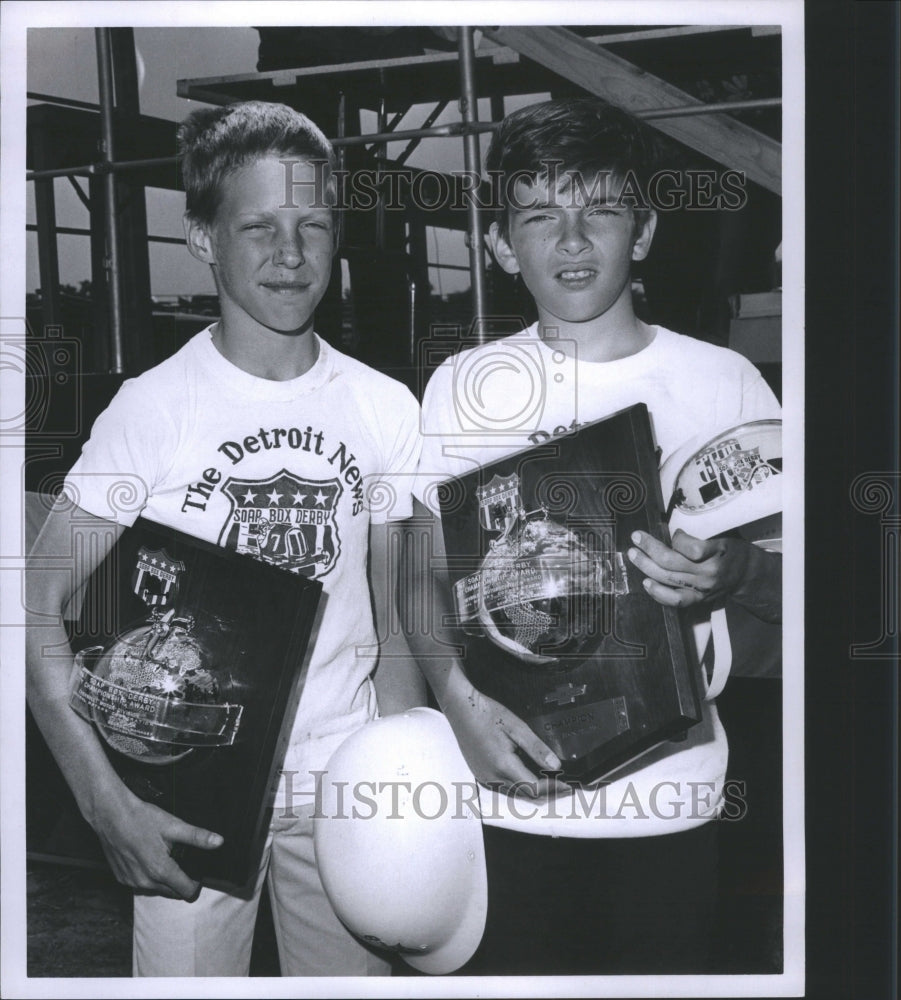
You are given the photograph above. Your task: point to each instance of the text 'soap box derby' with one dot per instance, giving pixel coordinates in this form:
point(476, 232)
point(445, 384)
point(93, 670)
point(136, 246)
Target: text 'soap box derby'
point(553, 617)
point(194, 683)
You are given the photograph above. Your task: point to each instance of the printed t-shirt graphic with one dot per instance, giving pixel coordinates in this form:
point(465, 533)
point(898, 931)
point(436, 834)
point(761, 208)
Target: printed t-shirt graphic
point(285, 520)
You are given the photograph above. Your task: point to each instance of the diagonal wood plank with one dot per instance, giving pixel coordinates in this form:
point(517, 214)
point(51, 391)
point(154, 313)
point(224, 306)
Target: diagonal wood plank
point(603, 74)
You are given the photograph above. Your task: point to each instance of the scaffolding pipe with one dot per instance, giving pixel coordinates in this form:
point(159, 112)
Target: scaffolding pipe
point(411, 330)
point(111, 260)
point(470, 110)
point(381, 154)
point(341, 161)
point(414, 142)
point(684, 110)
point(450, 130)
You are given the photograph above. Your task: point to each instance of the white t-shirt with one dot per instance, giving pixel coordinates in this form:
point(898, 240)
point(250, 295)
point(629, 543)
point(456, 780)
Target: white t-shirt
point(488, 402)
point(291, 472)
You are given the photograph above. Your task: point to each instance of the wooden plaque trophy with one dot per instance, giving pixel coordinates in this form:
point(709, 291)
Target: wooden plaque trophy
point(194, 671)
point(553, 618)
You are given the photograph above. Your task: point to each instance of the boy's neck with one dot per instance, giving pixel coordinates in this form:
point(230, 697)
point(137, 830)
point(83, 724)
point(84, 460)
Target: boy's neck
point(267, 354)
point(618, 333)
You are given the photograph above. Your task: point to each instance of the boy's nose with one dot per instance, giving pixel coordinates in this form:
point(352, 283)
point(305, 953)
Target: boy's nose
point(573, 239)
point(289, 254)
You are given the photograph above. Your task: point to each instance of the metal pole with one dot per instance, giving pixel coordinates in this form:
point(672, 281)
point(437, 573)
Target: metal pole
point(381, 155)
point(683, 111)
point(111, 261)
point(411, 330)
point(341, 159)
point(470, 110)
point(413, 143)
point(48, 247)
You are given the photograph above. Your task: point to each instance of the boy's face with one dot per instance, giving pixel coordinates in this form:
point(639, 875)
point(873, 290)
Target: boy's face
point(573, 246)
point(272, 263)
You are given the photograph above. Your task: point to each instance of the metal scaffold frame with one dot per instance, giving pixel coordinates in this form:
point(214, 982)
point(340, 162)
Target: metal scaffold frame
point(469, 128)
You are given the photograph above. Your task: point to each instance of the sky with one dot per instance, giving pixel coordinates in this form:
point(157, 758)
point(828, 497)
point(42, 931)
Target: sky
point(63, 61)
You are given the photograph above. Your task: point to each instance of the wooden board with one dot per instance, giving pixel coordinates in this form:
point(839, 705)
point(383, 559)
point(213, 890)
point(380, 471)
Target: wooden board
point(248, 627)
point(718, 136)
point(552, 617)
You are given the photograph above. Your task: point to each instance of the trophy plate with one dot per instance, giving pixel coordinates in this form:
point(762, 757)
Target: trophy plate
point(552, 617)
point(192, 667)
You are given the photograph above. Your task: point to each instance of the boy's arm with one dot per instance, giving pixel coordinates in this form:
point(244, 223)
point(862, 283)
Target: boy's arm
point(137, 837)
point(399, 684)
point(711, 570)
point(490, 735)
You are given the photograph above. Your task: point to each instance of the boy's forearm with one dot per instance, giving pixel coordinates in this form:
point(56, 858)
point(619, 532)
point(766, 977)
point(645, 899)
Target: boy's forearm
point(440, 664)
point(399, 683)
point(428, 633)
point(494, 741)
point(426, 606)
point(710, 571)
point(760, 591)
point(136, 837)
point(53, 575)
point(71, 739)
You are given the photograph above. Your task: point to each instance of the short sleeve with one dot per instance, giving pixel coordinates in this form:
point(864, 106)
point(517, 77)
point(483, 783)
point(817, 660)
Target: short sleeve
point(390, 490)
point(448, 448)
point(757, 400)
point(122, 459)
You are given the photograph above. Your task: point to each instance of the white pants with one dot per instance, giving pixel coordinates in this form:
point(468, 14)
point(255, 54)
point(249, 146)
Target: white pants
point(213, 935)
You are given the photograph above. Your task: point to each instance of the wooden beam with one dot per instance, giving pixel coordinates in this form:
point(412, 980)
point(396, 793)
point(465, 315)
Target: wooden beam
point(190, 88)
point(651, 34)
point(679, 31)
point(603, 74)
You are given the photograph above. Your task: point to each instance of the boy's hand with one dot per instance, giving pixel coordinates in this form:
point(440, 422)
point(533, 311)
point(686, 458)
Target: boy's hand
point(710, 570)
point(138, 838)
point(490, 736)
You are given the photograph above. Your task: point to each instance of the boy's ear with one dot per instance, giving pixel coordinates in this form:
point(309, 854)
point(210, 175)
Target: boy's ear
point(501, 250)
point(644, 236)
point(198, 239)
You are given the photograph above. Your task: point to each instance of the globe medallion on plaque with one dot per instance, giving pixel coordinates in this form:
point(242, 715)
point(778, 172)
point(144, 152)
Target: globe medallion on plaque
point(154, 695)
point(154, 692)
point(552, 619)
point(538, 592)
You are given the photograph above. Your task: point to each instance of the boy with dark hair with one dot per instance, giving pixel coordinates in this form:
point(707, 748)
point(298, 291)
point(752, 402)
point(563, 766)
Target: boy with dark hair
point(580, 882)
point(259, 401)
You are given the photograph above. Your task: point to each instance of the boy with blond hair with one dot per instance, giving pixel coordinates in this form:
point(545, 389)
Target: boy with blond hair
point(257, 399)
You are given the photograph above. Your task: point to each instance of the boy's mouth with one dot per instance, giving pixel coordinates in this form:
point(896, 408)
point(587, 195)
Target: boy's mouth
point(576, 277)
point(285, 287)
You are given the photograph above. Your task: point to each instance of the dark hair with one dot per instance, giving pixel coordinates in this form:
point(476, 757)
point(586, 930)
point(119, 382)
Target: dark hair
point(578, 135)
point(214, 142)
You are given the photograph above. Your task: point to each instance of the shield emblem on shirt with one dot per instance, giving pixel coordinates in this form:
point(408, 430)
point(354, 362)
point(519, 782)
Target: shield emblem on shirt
point(285, 520)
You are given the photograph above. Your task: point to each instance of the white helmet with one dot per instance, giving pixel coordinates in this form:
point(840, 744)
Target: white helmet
point(731, 481)
point(399, 841)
